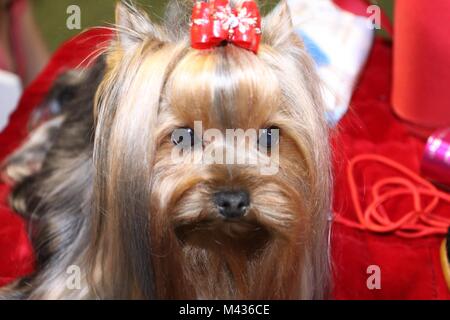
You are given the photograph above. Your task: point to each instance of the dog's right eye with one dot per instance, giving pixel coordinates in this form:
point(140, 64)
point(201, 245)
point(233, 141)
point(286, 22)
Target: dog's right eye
point(269, 137)
point(184, 137)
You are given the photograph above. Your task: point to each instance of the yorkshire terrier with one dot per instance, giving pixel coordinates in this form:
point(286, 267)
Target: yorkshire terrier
point(104, 193)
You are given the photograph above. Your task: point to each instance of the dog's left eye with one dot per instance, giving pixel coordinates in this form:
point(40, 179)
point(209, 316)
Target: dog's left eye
point(184, 137)
point(269, 137)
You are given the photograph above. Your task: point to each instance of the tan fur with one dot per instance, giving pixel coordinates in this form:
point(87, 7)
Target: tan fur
point(225, 88)
point(154, 231)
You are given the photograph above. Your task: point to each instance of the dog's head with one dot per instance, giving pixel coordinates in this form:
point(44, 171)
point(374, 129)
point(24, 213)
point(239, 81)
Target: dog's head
point(231, 162)
point(220, 149)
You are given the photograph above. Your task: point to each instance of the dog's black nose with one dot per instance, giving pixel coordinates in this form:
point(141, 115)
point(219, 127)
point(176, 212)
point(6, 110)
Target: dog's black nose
point(232, 204)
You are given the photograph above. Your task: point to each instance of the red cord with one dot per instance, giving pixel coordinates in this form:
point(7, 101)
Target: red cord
point(419, 222)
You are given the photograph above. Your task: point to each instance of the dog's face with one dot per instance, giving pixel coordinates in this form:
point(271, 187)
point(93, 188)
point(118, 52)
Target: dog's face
point(212, 201)
point(171, 97)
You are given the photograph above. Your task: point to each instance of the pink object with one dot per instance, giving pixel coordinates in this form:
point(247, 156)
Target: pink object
point(16, 11)
point(436, 159)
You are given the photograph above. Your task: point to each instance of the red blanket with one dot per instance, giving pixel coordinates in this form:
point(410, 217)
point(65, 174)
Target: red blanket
point(410, 269)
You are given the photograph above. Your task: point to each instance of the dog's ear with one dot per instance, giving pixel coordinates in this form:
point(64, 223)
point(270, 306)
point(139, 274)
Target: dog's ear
point(277, 28)
point(134, 25)
point(177, 18)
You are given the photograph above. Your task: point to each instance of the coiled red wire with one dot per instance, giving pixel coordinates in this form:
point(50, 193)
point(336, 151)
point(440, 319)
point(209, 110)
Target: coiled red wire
point(420, 222)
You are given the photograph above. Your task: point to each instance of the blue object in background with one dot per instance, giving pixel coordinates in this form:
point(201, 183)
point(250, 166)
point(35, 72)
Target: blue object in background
point(313, 49)
point(321, 60)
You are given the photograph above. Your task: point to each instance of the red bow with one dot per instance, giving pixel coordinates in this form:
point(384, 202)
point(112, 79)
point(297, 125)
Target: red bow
point(215, 22)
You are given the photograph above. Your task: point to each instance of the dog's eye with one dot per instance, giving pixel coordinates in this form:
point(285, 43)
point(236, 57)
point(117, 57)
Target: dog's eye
point(184, 137)
point(269, 137)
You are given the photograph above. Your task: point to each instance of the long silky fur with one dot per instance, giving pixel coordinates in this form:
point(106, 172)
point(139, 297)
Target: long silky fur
point(106, 198)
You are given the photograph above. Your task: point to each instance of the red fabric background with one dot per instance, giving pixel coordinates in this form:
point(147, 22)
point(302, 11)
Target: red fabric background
point(422, 48)
point(410, 269)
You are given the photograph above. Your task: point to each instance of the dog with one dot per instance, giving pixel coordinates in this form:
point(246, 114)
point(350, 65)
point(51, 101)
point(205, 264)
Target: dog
point(107, 197)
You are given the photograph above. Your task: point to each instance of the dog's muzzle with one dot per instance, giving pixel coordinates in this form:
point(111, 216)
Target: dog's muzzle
point(232, 204)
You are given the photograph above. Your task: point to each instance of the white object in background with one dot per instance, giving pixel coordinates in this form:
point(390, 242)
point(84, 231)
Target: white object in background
point(339, 42)
point(10, 91)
